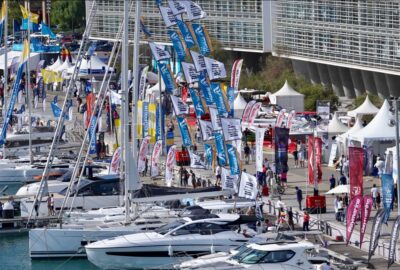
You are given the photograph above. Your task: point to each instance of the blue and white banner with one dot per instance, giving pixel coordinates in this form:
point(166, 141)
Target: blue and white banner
point(158, 121)
point(387, 194)
point(229, 181)
point(220, 145)
point(176, 7)
point(158, 52)
point(233, 159)
point(183, 127)
point(168, 16)
point(231, 127)
point(167, 77)
point(198, 105)
point(180, 107)
point(178, 45)
point(193, 10)
point(208, 154)
point(92, 135)
point(202, 39)
point(198, 61)
point(190, 72)
point(215, 118)
point(215, 69)
point(205, 88)
point(248, 186)
point(196, 162)
point(231, 99)
point(145, 119)
point(207, 130)
point(219, 99)
point(186, 34)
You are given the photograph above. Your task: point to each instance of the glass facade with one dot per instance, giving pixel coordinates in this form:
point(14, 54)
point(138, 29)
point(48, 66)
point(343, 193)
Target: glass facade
point(364, 33)
point(237, 25)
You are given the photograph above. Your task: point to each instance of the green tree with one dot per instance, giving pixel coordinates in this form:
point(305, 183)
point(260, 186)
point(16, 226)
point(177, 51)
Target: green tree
point(377, 101)
point(68, 15)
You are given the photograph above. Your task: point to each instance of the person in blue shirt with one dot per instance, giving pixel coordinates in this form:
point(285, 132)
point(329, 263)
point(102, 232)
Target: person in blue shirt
point(299, 196)
point(332, 182)
point(343, 179)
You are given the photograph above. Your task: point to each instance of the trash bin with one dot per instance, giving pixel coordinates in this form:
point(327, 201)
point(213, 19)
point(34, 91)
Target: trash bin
point(8, 210)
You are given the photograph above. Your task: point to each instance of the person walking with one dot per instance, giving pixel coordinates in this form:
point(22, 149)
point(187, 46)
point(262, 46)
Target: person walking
point(299, 196)
point(302, 154)
point(306, 221)
point(332, 182)
point(378, 200)
point(193, 175)
point(182, 176)
point(296, 158)
point(343, 179)
point(290, 218)
point(379, 164)
point(186, 178)
point(146, 166)
point(247, 153)
point(374, 194)
point(218, 175)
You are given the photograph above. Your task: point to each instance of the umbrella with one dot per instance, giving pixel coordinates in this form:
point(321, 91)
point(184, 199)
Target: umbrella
point(339, 189)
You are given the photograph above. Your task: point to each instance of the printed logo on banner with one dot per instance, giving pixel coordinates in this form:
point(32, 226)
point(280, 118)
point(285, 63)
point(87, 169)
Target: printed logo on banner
point(196, 162)
point(168, 16)
point(198, 61)
point(167, 77)
point(215, 69)
point(178, 45)
point(158, 52)
point(215, 119)
point(205, 88)
point(180, 107)
point(176, 7)
point(229, 181)
point(190, 72)
point(193, 10)
point(233, 160)
point(187, 141)
point(186, 34)
point(207, 130)
point(219, 143)
point(218, 98)
point(198, 105)
point(202, 39)
point(231, 128)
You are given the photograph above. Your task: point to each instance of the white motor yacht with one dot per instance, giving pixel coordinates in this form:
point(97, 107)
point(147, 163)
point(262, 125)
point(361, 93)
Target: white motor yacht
point(171, 244)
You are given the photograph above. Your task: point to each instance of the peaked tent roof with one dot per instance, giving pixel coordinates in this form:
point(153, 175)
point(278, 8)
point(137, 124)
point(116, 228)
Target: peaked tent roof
point(366, 108)
point(336, 127)
point(55, 65)
point(239, 103)
point(357, 126)
point(378, 129)
point(65, 66)
point(287, 90)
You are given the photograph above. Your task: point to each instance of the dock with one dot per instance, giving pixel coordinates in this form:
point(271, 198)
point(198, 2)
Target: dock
point(21, 224)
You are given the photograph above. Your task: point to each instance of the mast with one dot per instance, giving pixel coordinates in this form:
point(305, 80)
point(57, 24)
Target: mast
point(27, 86)
point(5, 83)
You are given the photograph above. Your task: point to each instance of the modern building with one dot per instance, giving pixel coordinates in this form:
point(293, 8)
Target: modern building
point(353, 46)
point(238, 25)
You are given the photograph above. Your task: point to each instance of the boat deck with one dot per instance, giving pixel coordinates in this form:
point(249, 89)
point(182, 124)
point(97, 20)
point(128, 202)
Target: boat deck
point(21, 224)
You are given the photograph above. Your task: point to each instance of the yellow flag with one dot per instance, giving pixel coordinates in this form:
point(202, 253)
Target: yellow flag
point(25, 53)
point(3, 11)
point(25, 14)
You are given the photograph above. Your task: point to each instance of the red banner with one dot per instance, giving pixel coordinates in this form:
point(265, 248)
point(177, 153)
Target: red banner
point(356, 166)
point(318, 157)
point(365, 213)
point(90, 99)
point(352, 213)
point(184, 94)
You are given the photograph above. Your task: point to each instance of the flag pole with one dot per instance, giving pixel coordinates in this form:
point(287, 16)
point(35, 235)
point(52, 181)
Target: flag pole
point(5, 83)
point(27, 85)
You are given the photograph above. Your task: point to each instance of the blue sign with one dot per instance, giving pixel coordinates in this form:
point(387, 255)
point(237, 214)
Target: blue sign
point(178, 45)
point(233, 160)
point(219, 143)
point(167, 77)
point(387, 194)
point(205, 88)
point(92, 135)
point(208, 153)
point(145, 119)
point(218, 98)
point(158, 122)
point(187, 141)
point(198, 105)
point(202, 40)
point(186, 34)
point(231, 99)
point(11, 104)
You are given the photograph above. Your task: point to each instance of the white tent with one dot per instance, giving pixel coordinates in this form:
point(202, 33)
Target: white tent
point(33, 59)
point(65, 66)
point(55, 65)
point(344, 138)
point(340, 189)
point(336, 127)
point(239, 104)
point(366, 108)
point(92, 67)
point(289, 98)
point(378, 129)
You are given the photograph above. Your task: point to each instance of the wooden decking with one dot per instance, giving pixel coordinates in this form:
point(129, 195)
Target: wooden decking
point(20, 224)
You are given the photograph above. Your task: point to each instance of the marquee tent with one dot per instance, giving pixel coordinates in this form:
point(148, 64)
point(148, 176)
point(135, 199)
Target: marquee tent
point(336, 127)
point(15, 55)
point(239, 105)
point(55, 65)
point(93, 67)
point(289, 99)
point(343, 138)
point(65, 66)
point(366, 108)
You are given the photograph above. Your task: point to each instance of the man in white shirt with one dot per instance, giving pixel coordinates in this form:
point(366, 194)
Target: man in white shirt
point(374, 194)
point(218, 175)
point(379, 164)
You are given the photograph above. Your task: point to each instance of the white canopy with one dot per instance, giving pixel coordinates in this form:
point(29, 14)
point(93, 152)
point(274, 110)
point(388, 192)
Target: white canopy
point(65, 66)
point(340, 189)
point(378, 129)
point(92, 67)
point(357, 126)
point(366, 108)
point(55, 65)
point(289, 98)
point(33, 59)
point(239, 105)
point(336, 127)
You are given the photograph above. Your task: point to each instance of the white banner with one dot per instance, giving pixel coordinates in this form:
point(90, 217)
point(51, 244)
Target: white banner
point(215, 118)
point(228, 181)
point(198, 61)
point(155, 158)
point(215, 69)
point(247, 111)
point(115, 97)
point(207, 130)
point(115, 162)
point(280, 117)
point(190, 72)
point(235, 76)
point(142, 82)
point(254, 112)
point(158, 52)
point(238, 145)
point(193, 10)
point(168, 16)
point(259, 148)
point(290, 119)
point(196, 161)
point(333, 154)
point(248, 186)
point(144, 148)
point(180, 107)
point(176, 7)
point(231, 127)
point(169, 166)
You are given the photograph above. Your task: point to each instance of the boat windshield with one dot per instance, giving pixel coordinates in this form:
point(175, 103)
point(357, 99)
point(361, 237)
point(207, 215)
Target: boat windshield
point(254, 256)
point(170, 226)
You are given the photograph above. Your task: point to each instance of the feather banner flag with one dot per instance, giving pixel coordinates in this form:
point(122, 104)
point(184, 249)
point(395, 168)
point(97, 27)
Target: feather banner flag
point(168, 16)
point(3, 15)
point(169, 165)
point(219, 99)
point(176, 7)
point(183, 127)
point(235, 75)
point(198, 61)
point(190, 72)
point(186, 33)
point(352, 214)
point(205, 88)
point(158, 52)
point(198, 105)
point(207, 130)
point(219, 143)
point(229, 181)
point(180, 107)
point(193, 10)
point(178, 45)
point(215, 69)
point(166, 75)
point(14, 94)
point(155, 157)
point(26, 14)
point(144, 148)
point(203, 39)
point(233, 159)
